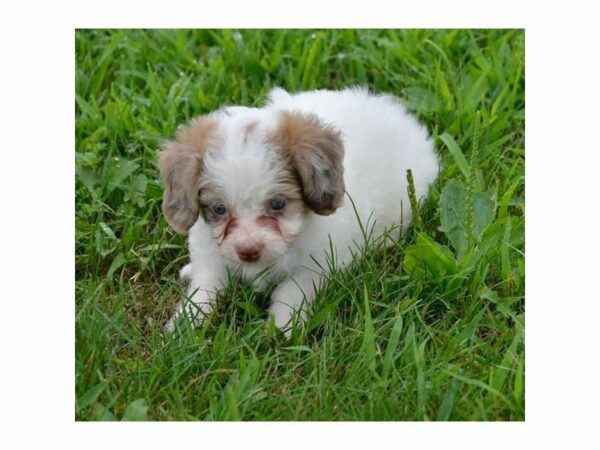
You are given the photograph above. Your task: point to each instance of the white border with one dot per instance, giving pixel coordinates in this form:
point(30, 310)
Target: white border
point(37, 79)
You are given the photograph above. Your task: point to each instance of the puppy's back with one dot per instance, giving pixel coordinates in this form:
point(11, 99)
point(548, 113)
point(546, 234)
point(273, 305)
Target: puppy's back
point(381, 140)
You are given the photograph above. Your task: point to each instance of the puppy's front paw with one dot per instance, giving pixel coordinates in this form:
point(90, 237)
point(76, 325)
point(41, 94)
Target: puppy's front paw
point(195, 312)
point(283, 315)
point(185, 274)
point(170, 325)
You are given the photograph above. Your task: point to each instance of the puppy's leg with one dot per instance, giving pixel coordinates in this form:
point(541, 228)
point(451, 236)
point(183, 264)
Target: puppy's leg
point(201, 293)
point(294, 295)
point(186, 273)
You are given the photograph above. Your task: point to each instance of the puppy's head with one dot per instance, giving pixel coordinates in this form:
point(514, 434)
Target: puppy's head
point(253, 176)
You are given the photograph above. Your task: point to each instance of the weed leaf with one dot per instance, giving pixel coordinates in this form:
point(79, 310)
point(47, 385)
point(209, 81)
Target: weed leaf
point(137, 410)
point(453, 206)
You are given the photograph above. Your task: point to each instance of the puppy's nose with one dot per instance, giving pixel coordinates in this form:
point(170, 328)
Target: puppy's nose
point(249, 252)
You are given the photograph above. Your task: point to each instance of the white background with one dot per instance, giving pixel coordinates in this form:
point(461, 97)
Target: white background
point(37, 65)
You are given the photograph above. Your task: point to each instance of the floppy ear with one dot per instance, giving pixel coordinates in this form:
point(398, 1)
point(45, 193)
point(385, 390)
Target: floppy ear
point(180, 165)
point(316, 153)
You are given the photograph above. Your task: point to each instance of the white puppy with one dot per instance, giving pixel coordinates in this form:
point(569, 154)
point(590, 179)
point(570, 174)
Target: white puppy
point(262, 192)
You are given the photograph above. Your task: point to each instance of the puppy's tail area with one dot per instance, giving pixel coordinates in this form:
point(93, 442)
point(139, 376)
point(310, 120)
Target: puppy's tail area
point(277, 95)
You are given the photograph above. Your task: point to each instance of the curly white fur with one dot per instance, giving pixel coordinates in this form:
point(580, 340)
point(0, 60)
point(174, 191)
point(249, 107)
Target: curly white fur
point(381, 141)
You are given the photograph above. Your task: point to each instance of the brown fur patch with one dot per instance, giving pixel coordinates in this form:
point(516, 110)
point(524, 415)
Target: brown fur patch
point(293, 207)
point(231, 225)
point(250, 128)
point(315, 152)
point(288, 185)
point(180, 165)
point(210, 196)
point(270, 223)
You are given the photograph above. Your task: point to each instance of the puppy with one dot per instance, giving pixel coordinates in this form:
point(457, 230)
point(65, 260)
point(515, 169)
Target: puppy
point(263, 192)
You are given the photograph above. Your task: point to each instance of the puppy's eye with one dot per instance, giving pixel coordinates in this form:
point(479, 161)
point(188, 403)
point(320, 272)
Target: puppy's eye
point(219, 209)
point(277, 203)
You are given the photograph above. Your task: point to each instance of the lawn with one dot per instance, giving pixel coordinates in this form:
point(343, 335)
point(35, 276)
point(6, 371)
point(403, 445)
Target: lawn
point(431, 329)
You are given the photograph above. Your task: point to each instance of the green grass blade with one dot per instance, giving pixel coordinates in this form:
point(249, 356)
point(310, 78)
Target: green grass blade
point(457, 154)
point(391, 347)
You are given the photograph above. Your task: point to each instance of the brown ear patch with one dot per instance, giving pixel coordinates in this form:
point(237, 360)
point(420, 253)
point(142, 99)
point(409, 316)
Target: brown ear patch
point(180, 165)
point(316, 153)
point(249, 129)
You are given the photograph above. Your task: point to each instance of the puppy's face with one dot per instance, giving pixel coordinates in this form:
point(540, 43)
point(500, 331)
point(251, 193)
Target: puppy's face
point(253, 176)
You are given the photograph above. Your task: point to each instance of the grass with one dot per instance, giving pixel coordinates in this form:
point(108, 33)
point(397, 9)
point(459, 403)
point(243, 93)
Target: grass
point(430, 329)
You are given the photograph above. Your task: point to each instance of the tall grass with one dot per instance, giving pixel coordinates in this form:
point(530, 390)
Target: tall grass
point(430, 329)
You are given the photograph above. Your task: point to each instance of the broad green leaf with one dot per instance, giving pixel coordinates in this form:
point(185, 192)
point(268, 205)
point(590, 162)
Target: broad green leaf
point(102, 413)
point(420, 99)
point(116, 263)
point(137, 190)
point(453, 215)
point(497, 230)
point(483, 212)
point(136, 411)
point(122, 171)
point(428, 259)
point(453, 212)
point(107, 230)
point(90, 395)
point(88, 178)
